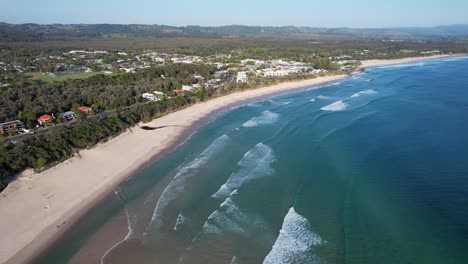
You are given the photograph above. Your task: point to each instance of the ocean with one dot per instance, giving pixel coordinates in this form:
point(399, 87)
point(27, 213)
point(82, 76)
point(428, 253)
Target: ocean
point(371, 169)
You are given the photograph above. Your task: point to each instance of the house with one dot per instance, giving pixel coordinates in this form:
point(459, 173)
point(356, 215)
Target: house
point(242, 77)
point(68, 116)
point(178, 92)
point(45, 120)
point(187, 88)
point(85, 109)
point(11, 127)
point(150, 97)
point(159, 95)
point(276, 73)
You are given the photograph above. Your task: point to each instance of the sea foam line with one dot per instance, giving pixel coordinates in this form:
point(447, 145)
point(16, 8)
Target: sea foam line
point(255, 163)
point(266, 118)
point(176, 186)
point(370, 91)
point(336, 106)
point(295, 241)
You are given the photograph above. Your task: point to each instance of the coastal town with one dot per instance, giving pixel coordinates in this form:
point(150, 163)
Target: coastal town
point(230, 69)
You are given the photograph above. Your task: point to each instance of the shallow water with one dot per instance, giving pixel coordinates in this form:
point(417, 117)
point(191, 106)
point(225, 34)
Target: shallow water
point(370, 170)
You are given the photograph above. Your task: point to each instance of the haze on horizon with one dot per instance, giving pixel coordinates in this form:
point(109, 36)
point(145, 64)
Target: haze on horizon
point(313, 13)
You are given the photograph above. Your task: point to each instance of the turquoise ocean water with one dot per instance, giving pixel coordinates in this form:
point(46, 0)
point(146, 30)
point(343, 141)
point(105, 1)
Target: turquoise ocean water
point(372, 169)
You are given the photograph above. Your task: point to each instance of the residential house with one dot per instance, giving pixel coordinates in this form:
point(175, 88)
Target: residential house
point(242, 77)
point(68, 116)
point(158, 93)
point(150, 97)
point(178, 92)
point(275, 73)
point(84, 109)
point(11, 127)
point(187, 88)
point(45, 120)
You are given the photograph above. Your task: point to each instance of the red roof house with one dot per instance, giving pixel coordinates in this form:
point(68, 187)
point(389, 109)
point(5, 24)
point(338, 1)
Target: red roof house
point(178, 92)
point(84, 108)
point(43, 119)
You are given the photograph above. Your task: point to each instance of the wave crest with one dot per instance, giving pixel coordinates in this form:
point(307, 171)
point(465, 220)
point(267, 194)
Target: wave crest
point(295, 241)
point(256, 162)
point(336, 106)
point(266, 118)
point(176, 187)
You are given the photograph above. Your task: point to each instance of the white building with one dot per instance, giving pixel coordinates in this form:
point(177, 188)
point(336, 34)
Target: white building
point(242, 77)
point(150, 97)
point(187, 88)
point(276, 73)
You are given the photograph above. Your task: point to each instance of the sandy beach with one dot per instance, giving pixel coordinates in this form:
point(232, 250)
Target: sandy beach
point(37, 208)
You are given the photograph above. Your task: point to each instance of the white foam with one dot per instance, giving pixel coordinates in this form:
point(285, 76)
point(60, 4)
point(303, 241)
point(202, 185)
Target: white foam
point(234, 260)
point(295, 241)
point(176, 186)
point(403, 65)
point(230, 218)
point(255, 163)
point(455, 59)
point(312, 100)
point(336, 106)
point(323, 97)
point(286, 103)
point(266, 118)
point(370, 91)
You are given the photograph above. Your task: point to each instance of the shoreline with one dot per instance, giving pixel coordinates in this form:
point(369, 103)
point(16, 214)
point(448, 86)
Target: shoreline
point(46, 205)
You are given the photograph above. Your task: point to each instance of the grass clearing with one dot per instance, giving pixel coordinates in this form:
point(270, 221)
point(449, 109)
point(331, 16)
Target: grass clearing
point(60, 76)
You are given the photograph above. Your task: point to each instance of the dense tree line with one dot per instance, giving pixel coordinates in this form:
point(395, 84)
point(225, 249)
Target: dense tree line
point(62, 142)
point(27, 99)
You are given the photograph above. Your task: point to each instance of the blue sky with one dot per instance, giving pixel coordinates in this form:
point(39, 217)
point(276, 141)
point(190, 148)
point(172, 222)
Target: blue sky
point(326, 13)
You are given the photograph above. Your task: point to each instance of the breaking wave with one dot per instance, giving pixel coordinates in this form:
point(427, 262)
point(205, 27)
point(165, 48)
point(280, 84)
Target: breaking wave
point(266, 118)
point(403, 65)
point(255, 163)
point(176, 186)
point(230, 218)
point(295, 241)
point(323, 97)
point(336, 106)
point(312, 100)
point(370, 91)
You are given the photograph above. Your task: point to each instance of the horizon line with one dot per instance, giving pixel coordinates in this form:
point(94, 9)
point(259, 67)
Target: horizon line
point(243, 25)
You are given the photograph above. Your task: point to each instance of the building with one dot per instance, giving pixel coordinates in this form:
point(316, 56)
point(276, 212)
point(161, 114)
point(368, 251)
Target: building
point(68, 116)
point(178, 92)
point(11, 127)
point(45, 120)
point(276, 73)
point(84, 109)
point(242, 77)
point(150, 97)
point(187, 88)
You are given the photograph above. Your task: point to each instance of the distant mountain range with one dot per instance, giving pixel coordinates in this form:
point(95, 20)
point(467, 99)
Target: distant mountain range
point(11, 32)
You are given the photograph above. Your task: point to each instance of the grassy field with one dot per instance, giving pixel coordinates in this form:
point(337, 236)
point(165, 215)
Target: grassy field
point(60, 76)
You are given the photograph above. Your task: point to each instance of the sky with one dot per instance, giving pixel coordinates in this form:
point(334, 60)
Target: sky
point(313, 13)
